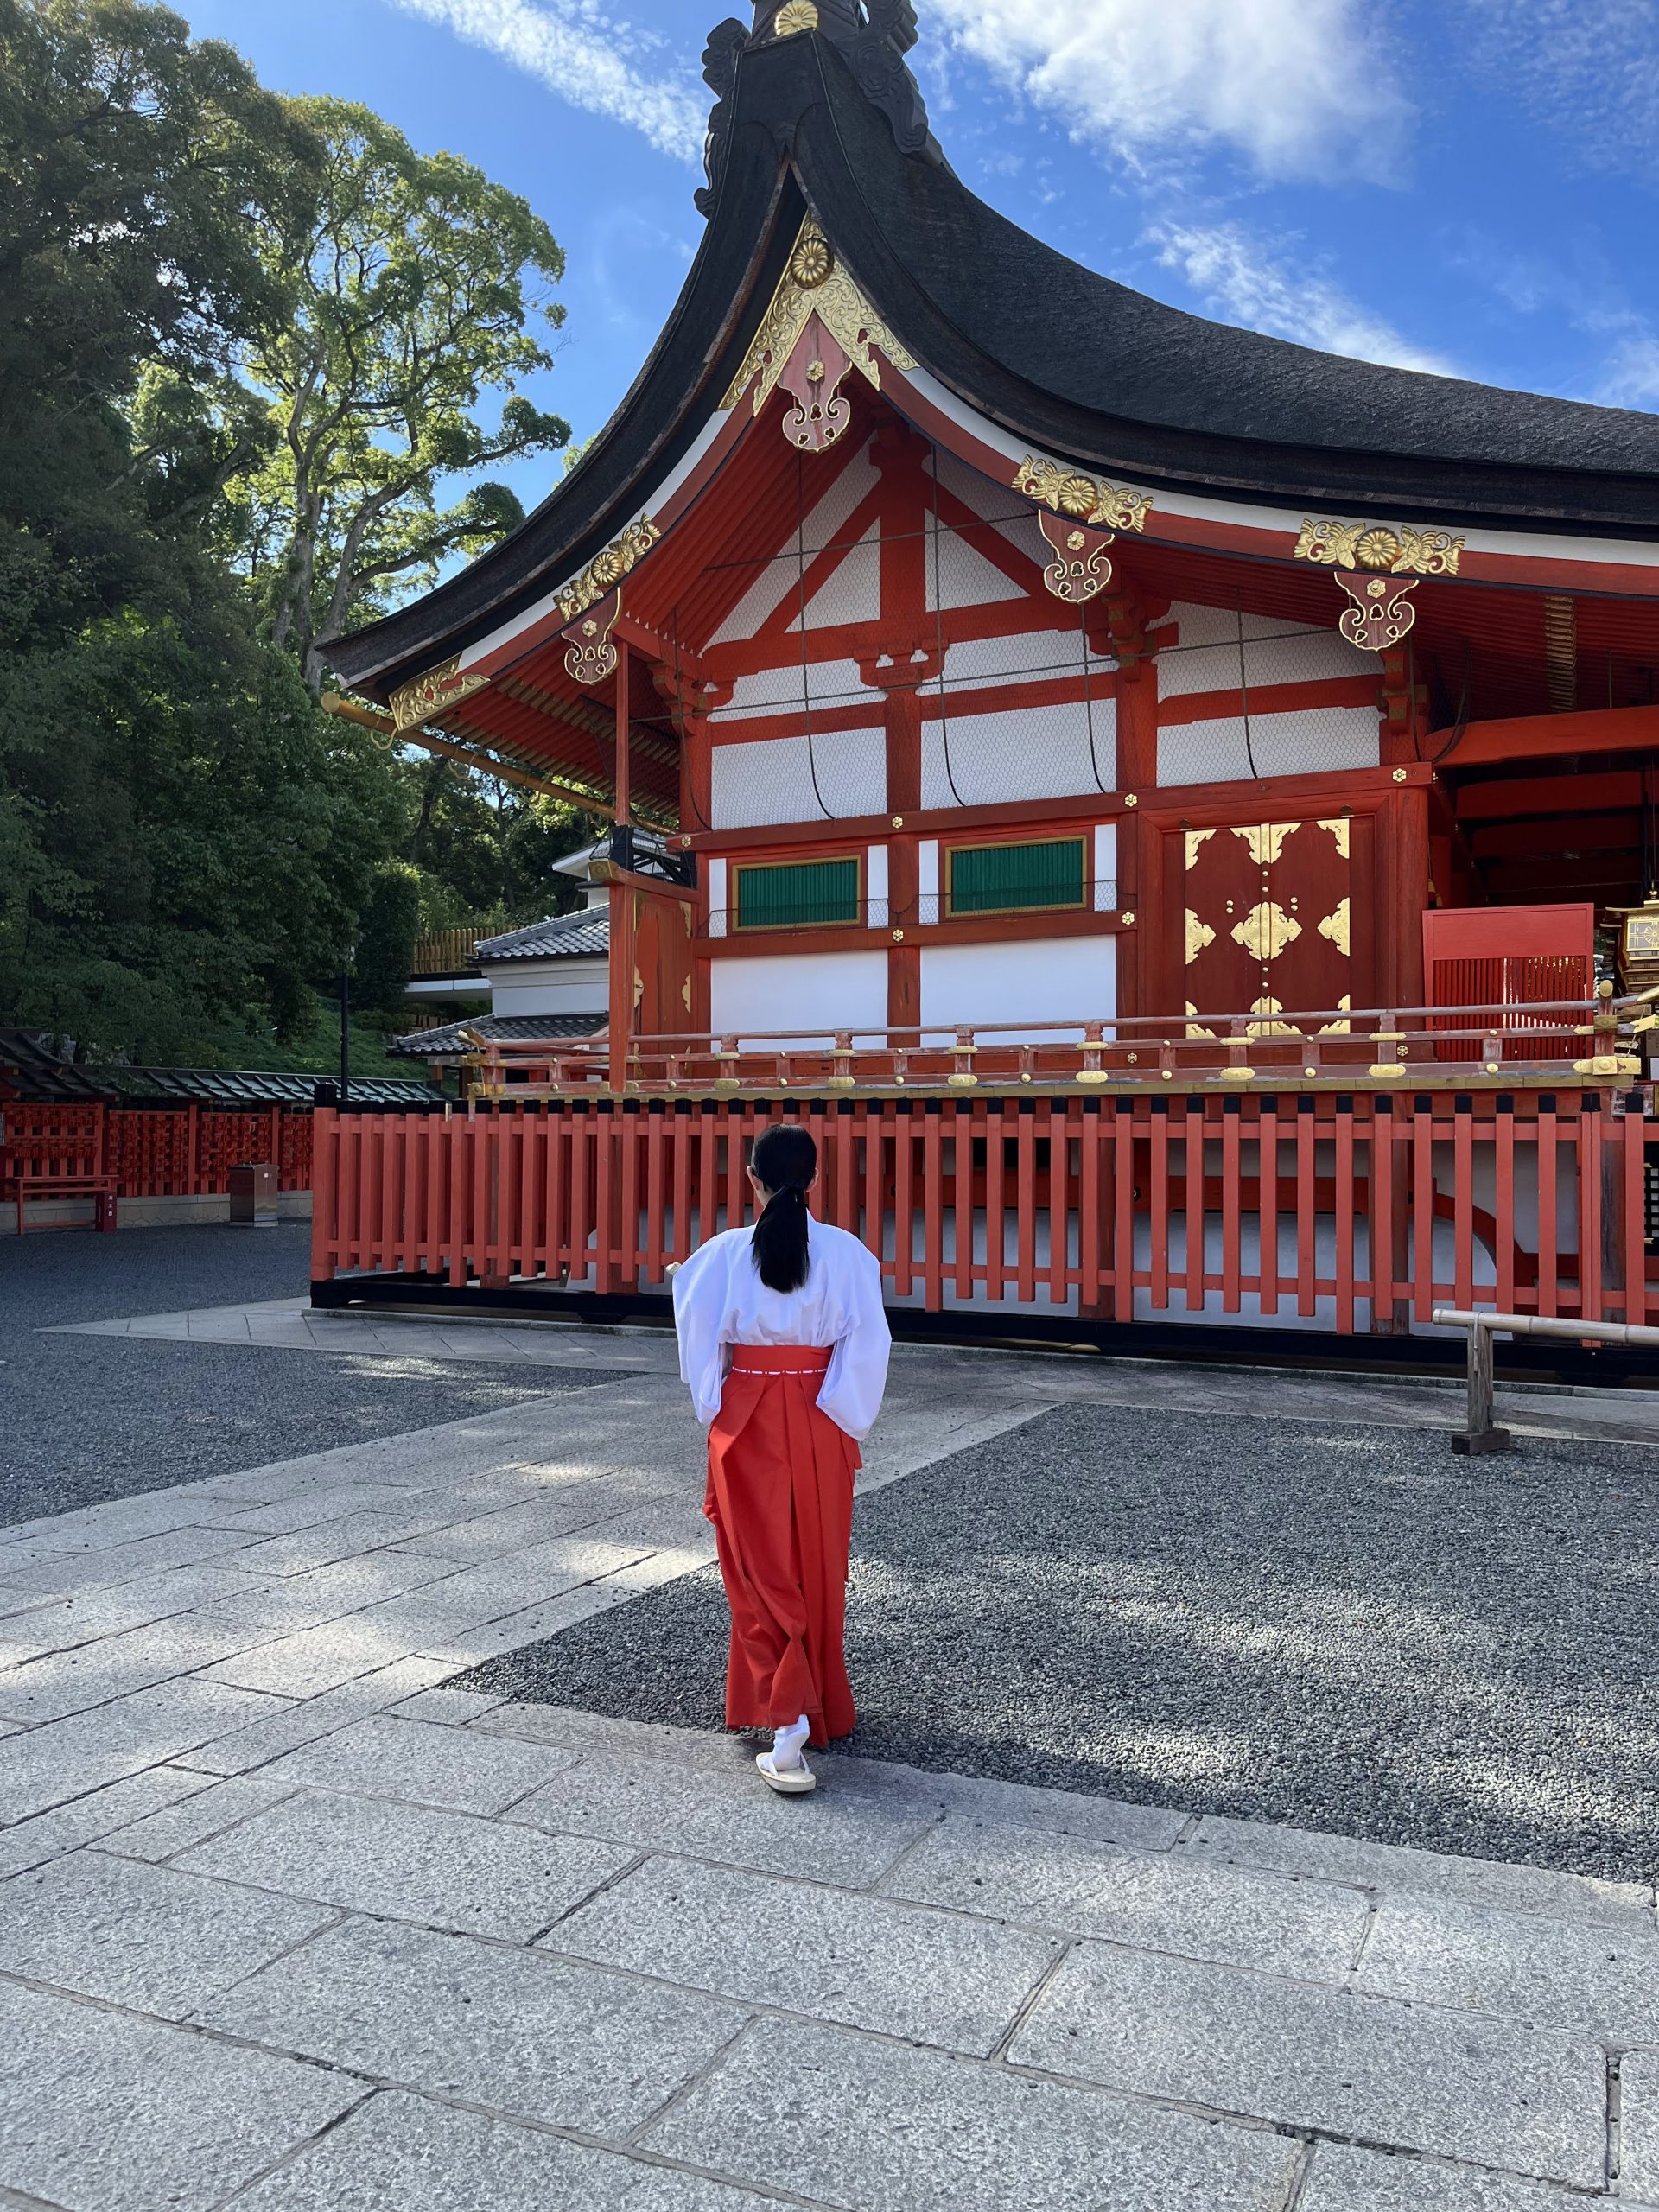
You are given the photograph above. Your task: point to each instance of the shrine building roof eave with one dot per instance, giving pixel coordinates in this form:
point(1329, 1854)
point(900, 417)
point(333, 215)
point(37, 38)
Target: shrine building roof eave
point(1081, 367)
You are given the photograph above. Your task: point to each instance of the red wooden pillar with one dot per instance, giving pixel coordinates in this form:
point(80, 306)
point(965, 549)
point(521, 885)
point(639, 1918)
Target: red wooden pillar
point(902, 458)
point(623, 933)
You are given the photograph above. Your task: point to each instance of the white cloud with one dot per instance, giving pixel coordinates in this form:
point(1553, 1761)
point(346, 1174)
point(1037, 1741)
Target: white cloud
point(584, 58)
point(1631, 379)
point(1239, 277)
point(1298, 86)
point(1589, 68)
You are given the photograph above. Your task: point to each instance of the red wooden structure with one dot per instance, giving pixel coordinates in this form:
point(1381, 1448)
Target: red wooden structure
point(1041, 725)
point(148, 1153)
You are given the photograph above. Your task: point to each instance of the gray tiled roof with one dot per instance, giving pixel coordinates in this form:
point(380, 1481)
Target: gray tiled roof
point(564, 937)
point(514, 1028)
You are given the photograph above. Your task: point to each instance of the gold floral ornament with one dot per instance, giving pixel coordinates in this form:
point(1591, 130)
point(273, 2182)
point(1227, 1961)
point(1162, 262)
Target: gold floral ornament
point(1268, 840)
point(619, 559)
point(1342, 829)
point(434, 694)
point(1199, 937)
point(1266, 930)
point(1336, 927)
point(816, 281)
point(798, 15)
point(1080, 499)
point(1381, 548)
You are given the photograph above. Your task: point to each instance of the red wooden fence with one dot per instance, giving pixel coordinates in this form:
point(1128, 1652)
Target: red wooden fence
point(1370, 1210)
point(182, 1152)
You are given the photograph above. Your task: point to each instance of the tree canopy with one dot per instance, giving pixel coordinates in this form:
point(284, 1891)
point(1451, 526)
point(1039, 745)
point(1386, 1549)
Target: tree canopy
point(255, 357)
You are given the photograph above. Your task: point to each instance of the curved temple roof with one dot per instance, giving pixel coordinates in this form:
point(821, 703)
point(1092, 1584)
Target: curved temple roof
point(1086, 370)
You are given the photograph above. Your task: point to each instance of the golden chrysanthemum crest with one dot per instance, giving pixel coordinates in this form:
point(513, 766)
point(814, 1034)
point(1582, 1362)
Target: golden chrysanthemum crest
point(1080, 498)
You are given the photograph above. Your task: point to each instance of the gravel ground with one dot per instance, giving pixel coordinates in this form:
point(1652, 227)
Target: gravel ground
point(1341, 1627)
point(83, 1419)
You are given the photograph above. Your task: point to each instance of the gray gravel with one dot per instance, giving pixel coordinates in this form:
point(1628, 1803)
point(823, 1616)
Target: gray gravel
point(1337, 1626)
point(83, 1419)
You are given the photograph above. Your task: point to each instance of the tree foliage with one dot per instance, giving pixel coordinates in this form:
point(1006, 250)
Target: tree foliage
point(248, 348)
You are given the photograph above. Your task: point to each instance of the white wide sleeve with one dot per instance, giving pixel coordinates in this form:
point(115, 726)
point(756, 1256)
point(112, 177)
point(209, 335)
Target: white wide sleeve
point(853, 1389)
point(699, 1320)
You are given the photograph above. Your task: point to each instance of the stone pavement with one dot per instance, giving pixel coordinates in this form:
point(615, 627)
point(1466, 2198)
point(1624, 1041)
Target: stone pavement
point(287, 1924)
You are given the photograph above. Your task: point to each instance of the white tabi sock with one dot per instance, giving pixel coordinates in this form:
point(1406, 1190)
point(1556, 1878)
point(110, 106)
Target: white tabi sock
point(788, 1744)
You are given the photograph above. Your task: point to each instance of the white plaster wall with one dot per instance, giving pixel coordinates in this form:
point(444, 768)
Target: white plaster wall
point(801, 991)
point(550, 987)
point(1049, 979)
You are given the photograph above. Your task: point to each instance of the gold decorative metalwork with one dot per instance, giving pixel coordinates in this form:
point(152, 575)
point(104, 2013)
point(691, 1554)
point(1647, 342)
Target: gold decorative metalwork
point(1382, 614)
point(619, 559)
point(1200, 935)
point(815, 283)
point(1266, 930)
point(1267, 1027)
point(1080, 498)
point(1196, 841)
point(1394, 549)
point(1268, 840)
point(798, 15)
point(1343, 831)
point(1346, 1005)
point(1194, 1029)
point(432, 694)
point(1336, 928)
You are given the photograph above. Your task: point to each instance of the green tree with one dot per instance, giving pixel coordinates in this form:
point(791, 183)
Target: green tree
point(414, 305)
point(390, 923)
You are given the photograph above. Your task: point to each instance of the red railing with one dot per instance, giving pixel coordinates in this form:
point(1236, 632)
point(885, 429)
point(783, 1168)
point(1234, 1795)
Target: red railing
point(1369, 1208)
point(182, 1152)
point(1567, 1040)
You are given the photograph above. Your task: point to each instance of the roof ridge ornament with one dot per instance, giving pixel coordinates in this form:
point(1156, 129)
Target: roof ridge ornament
point(815, 283)
point(872, 37)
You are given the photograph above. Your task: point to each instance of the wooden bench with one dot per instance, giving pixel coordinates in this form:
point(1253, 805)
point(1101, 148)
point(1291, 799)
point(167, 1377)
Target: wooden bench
point(33, 1185)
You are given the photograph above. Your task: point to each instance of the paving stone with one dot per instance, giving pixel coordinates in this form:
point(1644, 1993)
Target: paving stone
point(874, 2125)
point(438, 1868)
point(73, 1681)
point(47, 1766)
point(268, 1738)
point(1639, 2101)
point(410, 1514)
point(63, 1624)
point(99, 1570)
point(147, 1937)
point(1602, 1979)
point(307, 1508)
point(515, 1527)
point(480, 1595)
point(1103, 1820)
point(1309, 1930)
point(402, 2154)
point(288, 1603)
point(452, 1708)
point(13, 1602)
point(1343, 2179)
point(510, 2029)
point(729, 1815)
point(423, 1764)
point(103, 2114)
point(861, 1961)
point(209, 1811)
point(1391, 1866)
point(315, 1659)
point(100, 1813)
point(1495, 2092)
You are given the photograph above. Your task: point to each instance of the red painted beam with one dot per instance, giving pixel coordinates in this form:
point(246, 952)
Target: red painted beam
point(1543, 737)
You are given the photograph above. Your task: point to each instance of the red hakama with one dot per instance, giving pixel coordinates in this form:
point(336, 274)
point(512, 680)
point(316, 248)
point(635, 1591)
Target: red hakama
point(780, 1497)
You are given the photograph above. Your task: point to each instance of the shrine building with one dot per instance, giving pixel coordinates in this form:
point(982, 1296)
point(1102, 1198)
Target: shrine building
point(1175, 810)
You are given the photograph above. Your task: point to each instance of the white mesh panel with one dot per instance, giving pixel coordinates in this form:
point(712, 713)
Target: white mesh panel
point(958, 574)
point(824, 525)
point(772, 781)
point(1032, 753)
point(1306, 656)
point(853, 594)
point(1309, 741)
point(978, 663)
point(777, 690)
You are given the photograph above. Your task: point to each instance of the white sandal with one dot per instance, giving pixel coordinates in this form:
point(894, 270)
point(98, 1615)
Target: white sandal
point(789, 1780)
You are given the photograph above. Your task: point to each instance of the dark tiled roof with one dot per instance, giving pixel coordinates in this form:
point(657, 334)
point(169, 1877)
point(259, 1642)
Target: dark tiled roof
point(513, 1028)
point(35, 1073)
point(564, 937)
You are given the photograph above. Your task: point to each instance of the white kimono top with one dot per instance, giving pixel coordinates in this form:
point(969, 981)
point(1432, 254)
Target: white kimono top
point(720, 1300)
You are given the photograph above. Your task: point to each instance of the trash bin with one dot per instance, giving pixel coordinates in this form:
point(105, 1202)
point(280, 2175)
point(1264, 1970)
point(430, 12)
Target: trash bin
point(253, 1195)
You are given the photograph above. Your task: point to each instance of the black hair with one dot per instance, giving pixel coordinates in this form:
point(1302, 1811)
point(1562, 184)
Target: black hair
point(786, 1160)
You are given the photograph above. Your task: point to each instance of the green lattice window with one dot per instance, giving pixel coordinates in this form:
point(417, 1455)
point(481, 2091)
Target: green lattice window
point(797, 895)
point(1017, 878)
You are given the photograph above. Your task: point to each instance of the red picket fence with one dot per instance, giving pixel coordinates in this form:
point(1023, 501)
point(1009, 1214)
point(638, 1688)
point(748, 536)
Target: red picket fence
point(179, 1152)
point(1317, 1210)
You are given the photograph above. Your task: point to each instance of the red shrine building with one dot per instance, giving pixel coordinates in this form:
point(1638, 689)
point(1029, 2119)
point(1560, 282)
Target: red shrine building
point(1174, 811)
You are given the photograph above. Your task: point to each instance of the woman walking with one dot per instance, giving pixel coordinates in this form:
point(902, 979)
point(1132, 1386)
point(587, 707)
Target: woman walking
point(784, 1343)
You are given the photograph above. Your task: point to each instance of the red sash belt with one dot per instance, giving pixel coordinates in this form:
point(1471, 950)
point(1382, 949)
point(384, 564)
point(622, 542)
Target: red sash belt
point(780, 1359)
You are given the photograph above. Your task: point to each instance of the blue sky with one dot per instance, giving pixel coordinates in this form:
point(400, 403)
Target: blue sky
point(1467, 185)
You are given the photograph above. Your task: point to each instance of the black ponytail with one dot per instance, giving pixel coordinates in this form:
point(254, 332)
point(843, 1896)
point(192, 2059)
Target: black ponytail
point(786, 1160)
